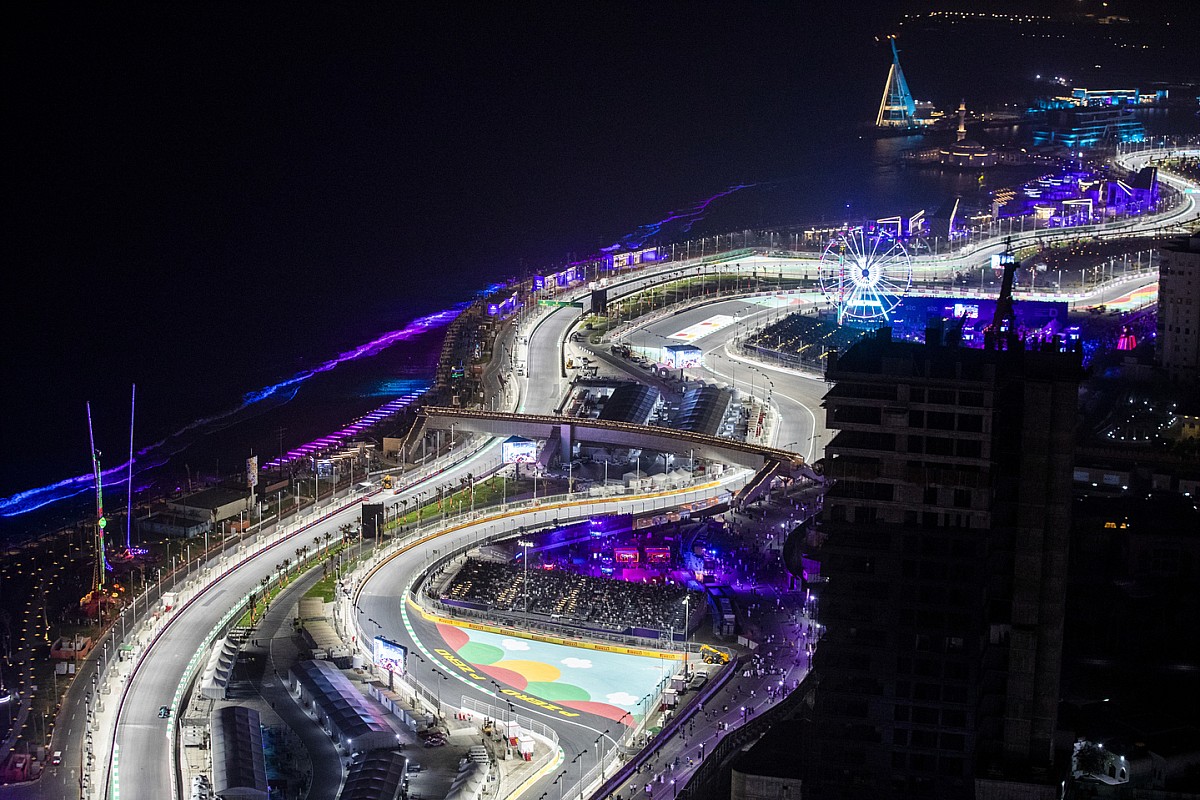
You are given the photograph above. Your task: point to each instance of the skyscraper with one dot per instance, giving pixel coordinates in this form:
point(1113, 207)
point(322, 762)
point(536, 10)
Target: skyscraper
point(944, 540)
point(1178, 347)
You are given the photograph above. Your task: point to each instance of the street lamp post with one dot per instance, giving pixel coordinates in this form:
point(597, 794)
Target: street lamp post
point(525, 543)
point(600, 752)
point(579, 757)
point(686, 629)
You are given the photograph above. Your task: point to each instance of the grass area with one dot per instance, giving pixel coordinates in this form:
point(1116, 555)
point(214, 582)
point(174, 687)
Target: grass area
point(326, 588)
point(259, 603)
point(708, 285)
point(491, 491)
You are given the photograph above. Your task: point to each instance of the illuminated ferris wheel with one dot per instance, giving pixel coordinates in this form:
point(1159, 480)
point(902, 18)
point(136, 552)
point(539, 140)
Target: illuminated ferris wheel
point(865, 275)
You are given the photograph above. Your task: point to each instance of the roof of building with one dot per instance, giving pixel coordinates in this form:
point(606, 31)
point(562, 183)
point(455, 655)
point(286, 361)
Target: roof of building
point(1182, 244)
point(880, 355)
point(773, 756)
point(211, 498)
point(630, 402)
point(321, 636)
point(1145, 179)
point(379, 776)
point(348, 710)
point(237, 752)
point(168, 519)
point(968, 145)
point(702, 410)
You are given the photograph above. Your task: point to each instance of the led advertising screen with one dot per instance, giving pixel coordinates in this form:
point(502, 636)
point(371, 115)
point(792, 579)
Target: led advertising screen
point(519, 451)
point(388, 654)
point(682, 356)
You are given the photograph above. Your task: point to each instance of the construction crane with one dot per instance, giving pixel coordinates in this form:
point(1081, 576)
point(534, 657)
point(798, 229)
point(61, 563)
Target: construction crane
point(1003, 332)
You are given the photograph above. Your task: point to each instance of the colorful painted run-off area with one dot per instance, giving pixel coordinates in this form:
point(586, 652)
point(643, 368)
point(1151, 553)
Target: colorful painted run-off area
point(1132, 301)
point(609, 685)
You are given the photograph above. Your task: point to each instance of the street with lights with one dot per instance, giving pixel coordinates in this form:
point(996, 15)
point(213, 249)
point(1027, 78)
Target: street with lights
point(113, 713)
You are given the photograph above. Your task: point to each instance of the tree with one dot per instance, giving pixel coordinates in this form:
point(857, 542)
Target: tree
point(1090, 759)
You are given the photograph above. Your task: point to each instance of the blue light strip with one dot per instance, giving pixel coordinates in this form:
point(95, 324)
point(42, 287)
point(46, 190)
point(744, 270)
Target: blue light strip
point(156, 454)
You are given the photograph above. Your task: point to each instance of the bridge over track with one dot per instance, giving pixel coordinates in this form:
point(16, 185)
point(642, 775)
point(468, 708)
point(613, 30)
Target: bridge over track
point(620, 434)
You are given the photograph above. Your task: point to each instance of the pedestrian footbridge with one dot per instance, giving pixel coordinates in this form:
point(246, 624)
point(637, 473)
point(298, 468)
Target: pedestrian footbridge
point(567, 430)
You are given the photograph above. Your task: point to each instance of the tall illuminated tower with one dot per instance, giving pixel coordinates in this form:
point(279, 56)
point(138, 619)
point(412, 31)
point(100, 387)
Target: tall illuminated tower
point(102, 566)
point(897, 109)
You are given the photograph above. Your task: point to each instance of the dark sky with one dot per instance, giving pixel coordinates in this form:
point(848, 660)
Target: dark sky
point(161, 150)
point(204, 196)
point(198, 194)
point(224, 138)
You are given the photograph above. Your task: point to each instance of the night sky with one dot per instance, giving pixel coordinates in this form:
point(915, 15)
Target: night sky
point(203, 199)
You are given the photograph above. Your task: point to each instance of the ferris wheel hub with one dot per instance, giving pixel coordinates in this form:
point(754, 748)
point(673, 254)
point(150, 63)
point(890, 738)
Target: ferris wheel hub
point(865, 275)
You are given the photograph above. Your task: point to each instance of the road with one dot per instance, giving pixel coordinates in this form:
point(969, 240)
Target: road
point(140, 736)
point(382, 608)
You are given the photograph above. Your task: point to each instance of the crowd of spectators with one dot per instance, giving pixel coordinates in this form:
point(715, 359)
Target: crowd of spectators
point(811, 339)
point(1188, 167)
point(570, 597)
point(1081, 254)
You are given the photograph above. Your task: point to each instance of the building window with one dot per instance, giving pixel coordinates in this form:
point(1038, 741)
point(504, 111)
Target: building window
point(924, 716)
point(939, 446)
point(969, 448)
point(970, 423)
point(940, 420)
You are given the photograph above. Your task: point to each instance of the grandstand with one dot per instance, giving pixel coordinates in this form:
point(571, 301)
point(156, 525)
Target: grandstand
point(568, 597)
point(803, 341)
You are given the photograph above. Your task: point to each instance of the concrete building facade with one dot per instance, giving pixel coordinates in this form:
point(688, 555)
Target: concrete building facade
point(1177, 349)
point(944, 540)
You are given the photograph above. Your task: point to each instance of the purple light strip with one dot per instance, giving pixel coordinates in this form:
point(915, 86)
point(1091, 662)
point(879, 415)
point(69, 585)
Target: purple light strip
point(156, 454)
point(337, 438)
point(373, 347)
point(689, 217)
